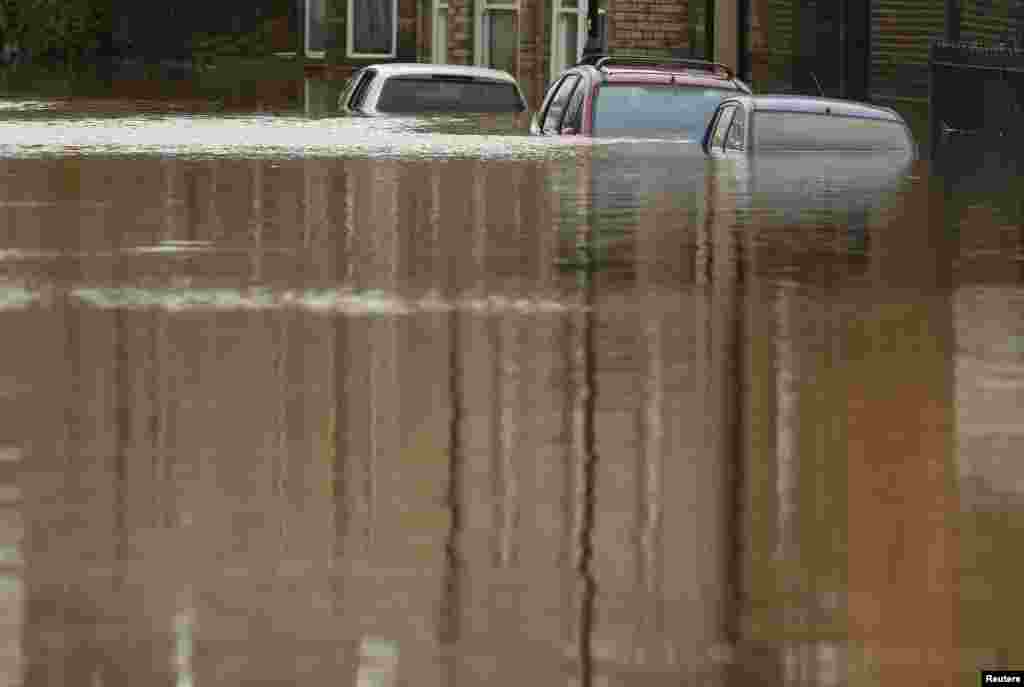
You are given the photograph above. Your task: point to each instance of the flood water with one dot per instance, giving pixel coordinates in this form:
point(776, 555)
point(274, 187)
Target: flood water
point(304, 400)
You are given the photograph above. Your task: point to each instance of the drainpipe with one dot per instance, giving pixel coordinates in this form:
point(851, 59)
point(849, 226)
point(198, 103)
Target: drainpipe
point(743, 40)
point(952, 20)
point(844, 50)
point(596, 36)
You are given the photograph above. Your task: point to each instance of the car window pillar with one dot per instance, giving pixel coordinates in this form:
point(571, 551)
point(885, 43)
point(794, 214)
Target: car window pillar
point(572, 117)
point(721, 125)
point(360, 89)
point(734, 137)
point(556, 108)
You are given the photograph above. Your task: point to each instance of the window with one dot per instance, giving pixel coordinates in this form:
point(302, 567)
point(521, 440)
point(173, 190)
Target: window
point(440, 33)
point(497, 38)
point(407, 94)
point(360, 86)
point(372, 27)
point(316, 28)
point(569, 19)
point(810, 131)
point(553, 115)
point(721, 126)
point(701, 28)
point(735, 138)
point(573, 118)
point(680, 111)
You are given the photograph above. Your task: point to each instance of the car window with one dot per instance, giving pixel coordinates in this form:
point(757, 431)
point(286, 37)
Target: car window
point(410, 94)
point(735, 137)
point(360, 89)
point(553, 116)
point(573, 117)
point(721, 127)
point(634, 109)
point(812, 131)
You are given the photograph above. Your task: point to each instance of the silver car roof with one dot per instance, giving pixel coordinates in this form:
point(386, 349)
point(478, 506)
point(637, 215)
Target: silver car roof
point(819, 105)
point(388, 69)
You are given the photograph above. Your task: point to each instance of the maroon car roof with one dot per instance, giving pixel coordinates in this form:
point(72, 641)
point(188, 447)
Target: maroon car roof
point(666, 76)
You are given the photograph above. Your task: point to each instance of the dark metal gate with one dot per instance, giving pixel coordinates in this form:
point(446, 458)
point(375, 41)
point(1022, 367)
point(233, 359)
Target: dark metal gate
point(975, 88)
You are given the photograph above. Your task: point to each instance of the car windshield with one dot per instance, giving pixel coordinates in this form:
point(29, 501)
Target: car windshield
point(646, 110)
point(811, 131)
point(451, 94)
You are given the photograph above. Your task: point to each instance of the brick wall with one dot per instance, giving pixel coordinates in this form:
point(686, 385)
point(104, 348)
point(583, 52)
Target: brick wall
point(424, 31)
point(407, 34)
point(460, 31)
point(534, 15)
point(647, 24)
point(771, 43)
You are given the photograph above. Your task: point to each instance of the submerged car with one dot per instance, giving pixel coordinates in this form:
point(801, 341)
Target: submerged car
point(794, 123)
point(636, 96)
point(801, 155)
point(399, 88)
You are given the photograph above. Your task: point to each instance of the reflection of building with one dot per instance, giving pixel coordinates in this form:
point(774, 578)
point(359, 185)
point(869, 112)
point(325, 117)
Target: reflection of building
point(419, 484)
point(234, 495)
point(11, 580)
point(852, 456)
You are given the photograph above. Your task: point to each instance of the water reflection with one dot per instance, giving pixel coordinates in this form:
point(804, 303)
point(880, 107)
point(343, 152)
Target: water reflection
point(530, 410)
point(151, 131)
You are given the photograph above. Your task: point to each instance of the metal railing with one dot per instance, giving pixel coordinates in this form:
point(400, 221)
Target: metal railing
point(603, 60)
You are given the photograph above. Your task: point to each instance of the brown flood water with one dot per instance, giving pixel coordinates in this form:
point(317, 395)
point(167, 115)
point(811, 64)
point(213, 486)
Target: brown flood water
point(319, 401)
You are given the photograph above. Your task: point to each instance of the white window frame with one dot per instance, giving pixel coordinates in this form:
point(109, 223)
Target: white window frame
point(315, 54)
point(480, 47)
point(557, 48)
point(439, 53)
point(349, 31)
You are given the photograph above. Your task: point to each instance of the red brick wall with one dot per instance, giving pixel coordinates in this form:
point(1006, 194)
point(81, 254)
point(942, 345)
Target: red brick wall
point(647, 24)
point(533, 48)
point(407, 34)
point(460, 31)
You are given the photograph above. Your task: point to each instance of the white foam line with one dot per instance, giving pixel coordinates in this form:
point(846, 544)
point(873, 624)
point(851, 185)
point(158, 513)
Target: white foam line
point(327, 301)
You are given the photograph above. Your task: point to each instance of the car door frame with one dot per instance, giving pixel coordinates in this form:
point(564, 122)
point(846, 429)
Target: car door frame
point(583, 88)
point(359, 85)
point(738, 107)
point(537, 125)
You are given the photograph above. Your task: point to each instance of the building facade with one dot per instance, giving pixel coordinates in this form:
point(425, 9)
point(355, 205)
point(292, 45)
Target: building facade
point(531, 39)
point(850, 49)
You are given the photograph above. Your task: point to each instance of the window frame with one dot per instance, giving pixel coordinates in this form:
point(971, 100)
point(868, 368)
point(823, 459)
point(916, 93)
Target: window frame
point(307, 17)
point(481, 54)
point(437, 55)
point(350, 33)
point(582, 12)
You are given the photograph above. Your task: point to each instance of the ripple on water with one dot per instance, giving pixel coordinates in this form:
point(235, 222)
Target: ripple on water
point(266, 136)
point(342, 301)
point(24, 105)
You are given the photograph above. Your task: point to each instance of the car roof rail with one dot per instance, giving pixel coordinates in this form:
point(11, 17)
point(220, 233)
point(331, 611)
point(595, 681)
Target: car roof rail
point(601, 60)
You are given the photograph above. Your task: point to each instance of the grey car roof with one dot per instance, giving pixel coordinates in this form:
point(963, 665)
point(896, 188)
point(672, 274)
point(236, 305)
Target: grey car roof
point(815, 104)
point(387, 70)
point(400, 68)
